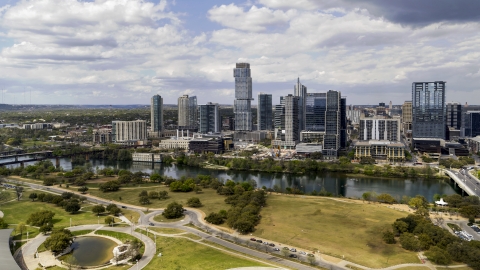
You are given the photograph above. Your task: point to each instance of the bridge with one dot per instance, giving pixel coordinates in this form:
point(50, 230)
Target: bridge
point(465, 181)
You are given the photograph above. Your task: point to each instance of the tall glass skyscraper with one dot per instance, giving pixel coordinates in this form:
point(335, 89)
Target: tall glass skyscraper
point(300, 91)
point(209, 118)
point(428, 110)
point(316, 106)
point(243, 97)
point(264, 112)
point(156, 113)
point(187, 112)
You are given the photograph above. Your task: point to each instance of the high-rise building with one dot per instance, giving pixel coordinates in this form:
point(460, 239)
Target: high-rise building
point(300, 91)
point(187, 112)
point(343, 122)
point(156, 114)
point(316, 106)
point(472, 123)
point(243, 97)
point(129, 132)
point(264, 112)
point(428, 110)
point(454, 115)
point(332, 143)
point(292, 122)
point(381, 129)
point(407, 116)
point(279, 120)
point(210, 120)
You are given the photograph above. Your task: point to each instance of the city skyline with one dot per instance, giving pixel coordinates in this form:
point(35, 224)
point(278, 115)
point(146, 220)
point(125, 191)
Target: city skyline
point(94, 52)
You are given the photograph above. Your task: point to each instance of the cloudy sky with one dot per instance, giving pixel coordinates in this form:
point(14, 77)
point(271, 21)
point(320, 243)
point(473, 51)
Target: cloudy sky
point(125, 51)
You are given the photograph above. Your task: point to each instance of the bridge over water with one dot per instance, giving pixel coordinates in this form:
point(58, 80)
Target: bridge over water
point(467, 182)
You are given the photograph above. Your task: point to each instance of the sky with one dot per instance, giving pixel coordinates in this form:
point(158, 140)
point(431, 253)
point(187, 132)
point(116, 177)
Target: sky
point(126, 51)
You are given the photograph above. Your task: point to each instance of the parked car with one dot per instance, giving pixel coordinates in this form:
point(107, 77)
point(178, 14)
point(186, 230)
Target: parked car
point(151, 224)
point(293, 250)
point(302, 253)
point(265, 243)
point(276, 249)
point(253, 239)
point(271, 244)
point(259, 241)
point(123, 206)
point(292, 256)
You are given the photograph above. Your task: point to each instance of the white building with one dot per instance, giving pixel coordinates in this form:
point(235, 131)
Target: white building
point(129, 132)
point(379, 128)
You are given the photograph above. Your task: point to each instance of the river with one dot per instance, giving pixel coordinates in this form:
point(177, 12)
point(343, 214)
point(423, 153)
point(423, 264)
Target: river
point(336, 183)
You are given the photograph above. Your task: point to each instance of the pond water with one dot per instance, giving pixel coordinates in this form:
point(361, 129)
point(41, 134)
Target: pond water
point(91, 251)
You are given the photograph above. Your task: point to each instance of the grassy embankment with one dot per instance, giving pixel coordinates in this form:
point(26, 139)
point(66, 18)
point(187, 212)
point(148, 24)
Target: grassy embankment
point(335, 227)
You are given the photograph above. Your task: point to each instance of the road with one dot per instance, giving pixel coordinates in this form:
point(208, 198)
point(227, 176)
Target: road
point(468, 180)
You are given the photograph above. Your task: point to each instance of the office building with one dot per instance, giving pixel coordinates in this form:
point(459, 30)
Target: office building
point(264, 112)
point(243, 97)
point(343, 122)
point(300, 91)
point(472, 123)
point(279, 120)
point(332, 142)
point(454, 115)
point(379, 150)
point(316, 106)
point(377, 128)
point(287, 131)
point(428, 110)
point(129, 132)
point(209, 120)
point(353, 116)
point(187, 112)
point(156, 115)
point(407, 116)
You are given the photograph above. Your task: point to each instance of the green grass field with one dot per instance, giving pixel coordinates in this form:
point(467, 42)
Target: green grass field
point(212, 202)
point(166, 230)
point(333, 227)
point(161, 218)
point(179, 253)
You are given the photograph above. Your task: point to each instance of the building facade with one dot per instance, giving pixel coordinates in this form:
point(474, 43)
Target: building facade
point(187, 112)
point(428, 110)
point(300, 91)
point(454, 115)
point(243, 97)
point(332, 143)
point(129, 132)
point(156, 115)
point(380, 150)
point(209, 120)
point(375, 128)
point(316, 106)
point(407, 116)
point(264, 112)
point(472, 123)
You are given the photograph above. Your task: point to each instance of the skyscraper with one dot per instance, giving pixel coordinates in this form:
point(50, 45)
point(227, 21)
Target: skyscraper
point(187, 112)
point(316, 106)
point(292, 125)
point(129, 132)
point(264, 112)
point(156, 114)
point(454, 115)
point(300, 91)
point(333, 123)
point(209, 118)
point(472, 123)
point(428, 110)
point(243, 97)
point(407, 116)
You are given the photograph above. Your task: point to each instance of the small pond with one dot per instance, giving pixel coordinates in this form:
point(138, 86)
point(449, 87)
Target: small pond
point(90, 251)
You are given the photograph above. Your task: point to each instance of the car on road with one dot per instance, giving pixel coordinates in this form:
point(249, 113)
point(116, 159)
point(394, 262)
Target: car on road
point(265, 243)
point(292, 256)
point(123, 206)
point(271, 244)
point(253, 239)
point(276, 249)
point(293, 250)
point(151, 224)
point(259, 241)
point(302, 253)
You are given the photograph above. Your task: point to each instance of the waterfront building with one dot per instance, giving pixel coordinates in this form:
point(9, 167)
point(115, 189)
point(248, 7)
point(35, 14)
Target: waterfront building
point(474, 144)
point(156, 115)
point(102, 136)
point(333, 122)
point(316, 106)
point(379, 128)
point(264, 112)
point(209, 121)
point(207, 144)
point(129, 132)
point(147, 157)
point(187, 112)
point(243, 97)
point(174, 143)
point(308, 148)
point(379, 150)
point(454, 115)
point(428, 110)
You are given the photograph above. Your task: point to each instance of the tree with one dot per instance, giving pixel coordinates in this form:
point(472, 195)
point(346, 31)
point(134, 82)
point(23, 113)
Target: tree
point(113, 209)
point(3, 224)
point(173, 210)
point(40, 218)
point(214, 218)
point(45, 228)
point(72, 207)
point(109, 220)
point(18, 191)
point(143, 193)
point(163, 195)
point(388, 237)
point(98, 209)
point(83, 189)
point(144, 200)
point(33, 196)
point(109, 186)
point(417, 202)
point(409, 242)
point(438, 256)
point(194, 202)
point(58, 241)
point(21, 227)
point(386, 198)
point(155, 177)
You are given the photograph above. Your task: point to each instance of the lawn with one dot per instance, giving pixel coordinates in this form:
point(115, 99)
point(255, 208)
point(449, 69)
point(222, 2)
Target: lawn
point(166, 230)
point(212, 202)
point(161, 218)
point(19, 211)
point(179, 253)
point(333, 227)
